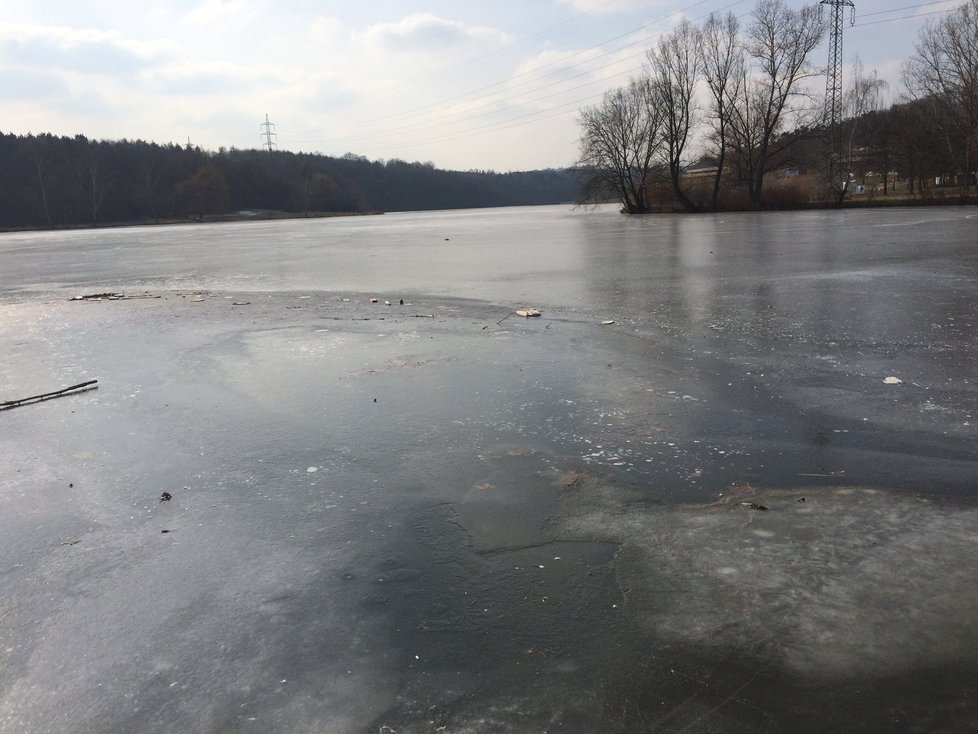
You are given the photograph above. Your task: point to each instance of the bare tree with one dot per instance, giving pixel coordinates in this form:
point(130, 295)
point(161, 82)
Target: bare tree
point(40, 165)
point(93, 183)
point(722, 64)
point(944, 68)
point(864, 97)
point(673, 67)
point(779, 42)
point(149, 189)
point(619, 142)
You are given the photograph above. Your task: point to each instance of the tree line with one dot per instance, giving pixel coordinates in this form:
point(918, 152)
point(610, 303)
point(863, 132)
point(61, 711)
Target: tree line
point(56, 181)
point(761, 114)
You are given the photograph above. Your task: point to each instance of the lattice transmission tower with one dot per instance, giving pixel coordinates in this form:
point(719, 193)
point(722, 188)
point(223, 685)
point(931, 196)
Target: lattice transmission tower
point(268, 133)
point(833, 81)
point(832, 118)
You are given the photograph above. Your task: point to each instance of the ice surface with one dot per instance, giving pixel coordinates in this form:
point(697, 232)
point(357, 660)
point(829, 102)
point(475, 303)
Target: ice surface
point(848, 582)
point(410, 582)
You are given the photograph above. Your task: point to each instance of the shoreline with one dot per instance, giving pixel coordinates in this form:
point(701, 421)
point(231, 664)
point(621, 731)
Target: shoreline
point(246, 216)
point(869, 202)
point(865, 202)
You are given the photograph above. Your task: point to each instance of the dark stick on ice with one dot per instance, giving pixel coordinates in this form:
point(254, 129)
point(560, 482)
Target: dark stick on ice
point(504, 318)
point(98, 297)
point(80, 387)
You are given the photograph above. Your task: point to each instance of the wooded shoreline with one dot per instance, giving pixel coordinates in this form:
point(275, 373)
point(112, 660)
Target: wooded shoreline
point(890, 202)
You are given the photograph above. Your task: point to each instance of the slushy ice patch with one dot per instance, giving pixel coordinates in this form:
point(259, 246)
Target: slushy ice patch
point(849, 582)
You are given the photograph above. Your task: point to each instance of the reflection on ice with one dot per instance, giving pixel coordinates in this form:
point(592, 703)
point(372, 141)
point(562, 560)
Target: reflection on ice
point(847, 583)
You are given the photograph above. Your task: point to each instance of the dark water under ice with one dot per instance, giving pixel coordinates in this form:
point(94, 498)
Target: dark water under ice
point(439, 516)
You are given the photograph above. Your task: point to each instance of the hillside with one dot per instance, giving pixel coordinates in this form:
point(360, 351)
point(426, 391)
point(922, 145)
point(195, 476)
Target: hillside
point(51, 181)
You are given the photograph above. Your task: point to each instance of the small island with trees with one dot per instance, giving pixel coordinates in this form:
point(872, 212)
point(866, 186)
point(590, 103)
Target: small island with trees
point(762, 139)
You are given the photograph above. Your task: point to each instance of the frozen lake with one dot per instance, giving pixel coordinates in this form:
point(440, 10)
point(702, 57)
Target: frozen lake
point(438, 516)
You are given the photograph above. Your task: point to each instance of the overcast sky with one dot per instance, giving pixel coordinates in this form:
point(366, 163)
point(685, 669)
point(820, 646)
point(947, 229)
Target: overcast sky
point(494, 84)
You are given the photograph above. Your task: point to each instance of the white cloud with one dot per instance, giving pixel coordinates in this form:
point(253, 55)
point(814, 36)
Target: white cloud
point(424, 32)
point(606, 7)
point(326, 28)
point(218, 14)
point(77, 50)
point(31, 85)
point(197, 78)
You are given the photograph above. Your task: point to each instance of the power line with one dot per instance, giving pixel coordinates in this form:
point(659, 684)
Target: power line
point(907, 7)
point(538, 116)
point(500, 125)
point(480, 57)
point(555, 111)
point(518, 41)
point(426, 125)
point(533, 82)
point(518, 121)
point(906, 17)
point(456, 98)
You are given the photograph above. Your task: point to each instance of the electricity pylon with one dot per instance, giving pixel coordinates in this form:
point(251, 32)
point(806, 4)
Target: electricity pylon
point(832, 116)
point(268, 134)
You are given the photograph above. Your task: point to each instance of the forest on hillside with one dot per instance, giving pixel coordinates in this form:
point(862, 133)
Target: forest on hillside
point(55, 181)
